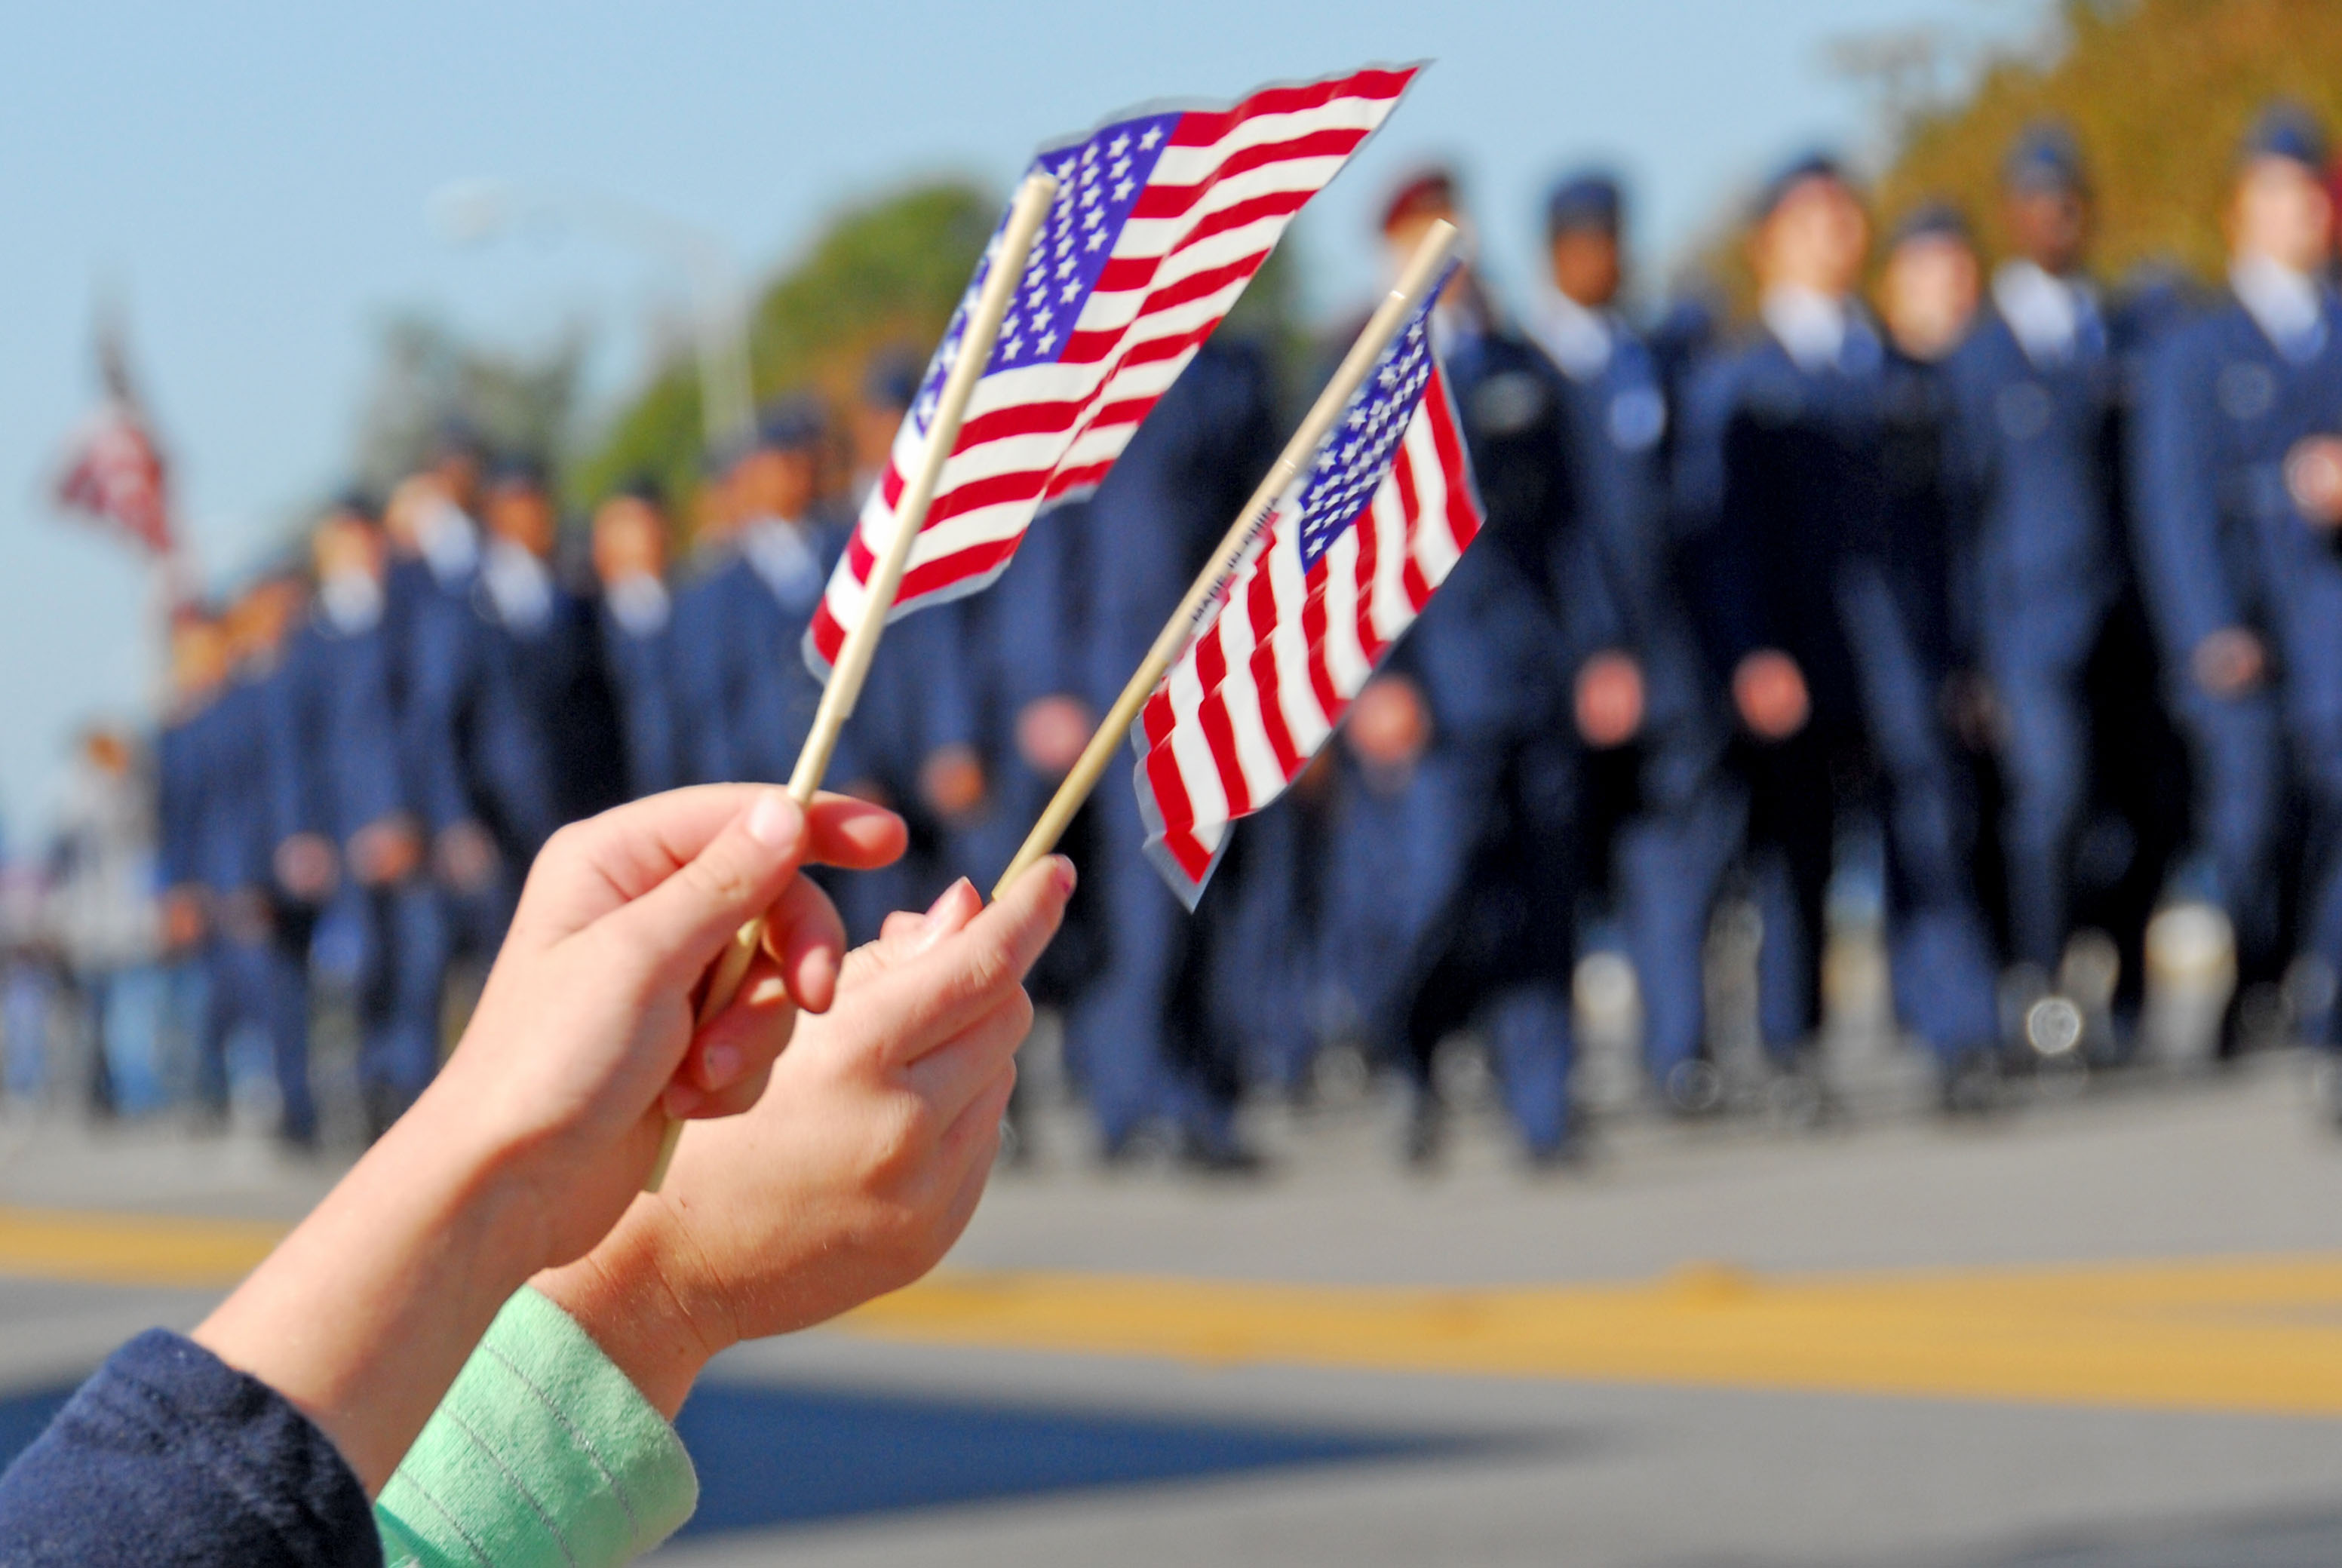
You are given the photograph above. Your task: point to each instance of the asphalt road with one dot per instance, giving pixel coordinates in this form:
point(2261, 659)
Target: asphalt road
point(2100, 1331)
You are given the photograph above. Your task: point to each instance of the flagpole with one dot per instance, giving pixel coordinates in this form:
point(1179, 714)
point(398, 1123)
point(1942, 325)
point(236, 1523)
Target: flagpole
point(1026, 214)
point(1419, 276)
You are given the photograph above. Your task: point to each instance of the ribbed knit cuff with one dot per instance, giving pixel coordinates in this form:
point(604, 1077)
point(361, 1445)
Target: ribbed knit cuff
point(543, 1452)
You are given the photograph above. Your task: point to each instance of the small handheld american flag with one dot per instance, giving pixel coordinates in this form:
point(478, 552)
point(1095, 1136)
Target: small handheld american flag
point(1162, 218)
point(1350, 554)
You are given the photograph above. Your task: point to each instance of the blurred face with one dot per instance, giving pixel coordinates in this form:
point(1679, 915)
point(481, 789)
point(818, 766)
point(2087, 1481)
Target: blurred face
point(872, 431)
point(1402, 237)
point(346, 546)
point(1814, 239)
point(2282, 212)
point(198, 657)
point(522, 515)
point(629, 540)
point(1930, 294)
point(713, 513)
point(2051, 228)
point(768, 484)
point(458, 473)
point(256, 624)
point(1586, 267)
point(108, 750)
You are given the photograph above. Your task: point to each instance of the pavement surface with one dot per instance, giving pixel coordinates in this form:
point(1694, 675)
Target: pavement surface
point(2103, 1329)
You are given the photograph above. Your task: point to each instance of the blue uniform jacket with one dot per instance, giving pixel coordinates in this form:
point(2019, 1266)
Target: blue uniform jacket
point(740, 657)
point(2218, 535)
point(2035, 447)
point(1780, 483)
point(332, 744)
point(642, 683)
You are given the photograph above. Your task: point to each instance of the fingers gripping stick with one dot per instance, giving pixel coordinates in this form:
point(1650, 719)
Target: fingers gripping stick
point(1025, 216)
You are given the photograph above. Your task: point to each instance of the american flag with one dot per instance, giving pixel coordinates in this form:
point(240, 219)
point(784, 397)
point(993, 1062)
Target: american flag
point(1162, 217)
point(114, 474)
point(1349, 555)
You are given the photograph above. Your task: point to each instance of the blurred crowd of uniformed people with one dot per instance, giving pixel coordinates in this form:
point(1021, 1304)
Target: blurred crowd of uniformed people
point(1995, 605)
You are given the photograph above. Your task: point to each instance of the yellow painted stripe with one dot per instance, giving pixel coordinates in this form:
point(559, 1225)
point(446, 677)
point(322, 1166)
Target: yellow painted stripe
point(2257, 1335)
point(2248, 1334)
point(131, 1249)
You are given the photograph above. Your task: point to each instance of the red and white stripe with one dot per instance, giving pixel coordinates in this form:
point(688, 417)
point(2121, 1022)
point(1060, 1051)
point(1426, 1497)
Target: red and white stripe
point(1261, 688)
point(1218, 200)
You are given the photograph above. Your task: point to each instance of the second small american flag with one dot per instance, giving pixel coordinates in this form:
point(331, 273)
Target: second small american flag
point(1351, 553)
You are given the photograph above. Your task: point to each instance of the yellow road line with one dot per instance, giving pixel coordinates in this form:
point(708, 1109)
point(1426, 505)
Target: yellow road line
point(2228, 1336)
point(131, 1249)
point(2246, 1334)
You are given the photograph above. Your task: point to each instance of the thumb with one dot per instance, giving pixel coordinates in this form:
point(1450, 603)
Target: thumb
point(679, 926)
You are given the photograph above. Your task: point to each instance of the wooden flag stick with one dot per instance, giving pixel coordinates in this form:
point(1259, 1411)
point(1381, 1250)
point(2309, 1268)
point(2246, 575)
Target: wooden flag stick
point(1420, 274)
point(1025, 216)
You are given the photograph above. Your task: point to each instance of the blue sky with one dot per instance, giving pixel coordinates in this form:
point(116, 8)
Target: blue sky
point(252, 180)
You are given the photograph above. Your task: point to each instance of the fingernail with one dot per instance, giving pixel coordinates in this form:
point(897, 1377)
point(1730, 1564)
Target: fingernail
point(945, 897)
point(719, 1065)
point(1068, 877)
point(772, 821)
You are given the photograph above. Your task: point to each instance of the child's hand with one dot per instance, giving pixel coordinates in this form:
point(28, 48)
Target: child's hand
point(582, 1041)
point(855, 1171)
point(540, 1130)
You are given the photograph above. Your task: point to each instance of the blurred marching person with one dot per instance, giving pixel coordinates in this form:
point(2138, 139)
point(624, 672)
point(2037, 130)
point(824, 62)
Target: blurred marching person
point(434, 570)
point(912, 733)
point(2046, 611)
point(255, 944)
point(548, 703)
point(1650, 708)
point(346, 830)
point(102, 910)
point(184, 782)
point(1456, 861)
point(1140, 1034)
point(508, 722)
point(2235, 507)
point(740, 626)
point(637, 625)
point(1815, 617)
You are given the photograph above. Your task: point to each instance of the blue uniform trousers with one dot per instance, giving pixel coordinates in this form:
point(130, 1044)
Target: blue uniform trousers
point(405, 944)
point(1136, 1035)
point(2038, 665)
point(259, 981)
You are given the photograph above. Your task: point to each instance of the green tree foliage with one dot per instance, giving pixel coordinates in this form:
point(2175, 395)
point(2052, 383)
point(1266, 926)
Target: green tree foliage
point(2157, 92)
point(881, 276)
point(428, 374)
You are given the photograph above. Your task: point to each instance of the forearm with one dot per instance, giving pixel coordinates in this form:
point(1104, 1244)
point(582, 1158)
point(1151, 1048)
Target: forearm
point(365, 1314)
point(632, 1305)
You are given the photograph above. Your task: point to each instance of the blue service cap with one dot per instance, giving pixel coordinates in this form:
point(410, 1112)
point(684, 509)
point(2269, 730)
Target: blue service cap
point(456, 436)
point(1932, 220)
point(1815, 165)
point(516, 471)
point(353, 500)
point(1588, 201)
point(645, 486)
point(891, 380)
point(794, 424)
point(2285, 130)
point(2045, 160)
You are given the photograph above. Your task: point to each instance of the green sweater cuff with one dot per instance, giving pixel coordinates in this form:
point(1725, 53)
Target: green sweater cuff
point(543, 1452)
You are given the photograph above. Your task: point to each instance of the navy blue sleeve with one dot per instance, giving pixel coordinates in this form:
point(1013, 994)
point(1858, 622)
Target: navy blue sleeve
point(169, 1457)
point(178, 780)
point(2175, 480)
